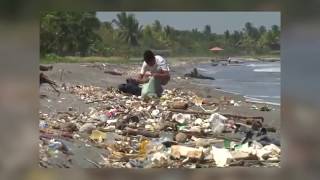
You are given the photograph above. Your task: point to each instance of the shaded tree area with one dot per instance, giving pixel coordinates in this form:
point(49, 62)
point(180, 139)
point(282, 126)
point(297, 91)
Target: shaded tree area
point(82, 34)
point(68, 33)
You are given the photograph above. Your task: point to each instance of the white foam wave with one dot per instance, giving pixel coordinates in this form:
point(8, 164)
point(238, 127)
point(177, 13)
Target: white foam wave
point(202, 69)
point(232, 92)
point(275, 69)
point(260, 65)
point(257, 100)
point(273, 97)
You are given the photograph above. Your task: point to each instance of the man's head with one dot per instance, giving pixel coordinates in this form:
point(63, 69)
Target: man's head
point(149, 58)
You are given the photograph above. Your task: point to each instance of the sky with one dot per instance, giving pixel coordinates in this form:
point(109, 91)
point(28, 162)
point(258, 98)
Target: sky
point(219, 21)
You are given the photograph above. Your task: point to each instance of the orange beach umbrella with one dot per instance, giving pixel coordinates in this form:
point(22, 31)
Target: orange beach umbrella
point(216, 49)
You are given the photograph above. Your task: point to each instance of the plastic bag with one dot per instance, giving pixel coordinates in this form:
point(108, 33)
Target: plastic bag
point(217, 123)
point(149, 89)
point(221, 156)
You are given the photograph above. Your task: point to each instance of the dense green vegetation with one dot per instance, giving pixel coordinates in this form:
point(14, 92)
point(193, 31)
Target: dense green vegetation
point(82, 34)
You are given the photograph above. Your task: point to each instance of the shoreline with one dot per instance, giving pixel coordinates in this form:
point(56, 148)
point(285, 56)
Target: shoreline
point(246, 98)
point(133, 60)
point(93, 74)
point(272, 118)
point(252, 99)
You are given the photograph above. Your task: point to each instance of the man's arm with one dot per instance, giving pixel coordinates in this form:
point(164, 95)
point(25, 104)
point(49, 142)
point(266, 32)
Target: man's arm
point(161, 74)
point(142, 71)
point(140, 76)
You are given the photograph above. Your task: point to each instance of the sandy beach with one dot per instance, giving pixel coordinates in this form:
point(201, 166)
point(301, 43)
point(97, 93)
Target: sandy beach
point(93, 74)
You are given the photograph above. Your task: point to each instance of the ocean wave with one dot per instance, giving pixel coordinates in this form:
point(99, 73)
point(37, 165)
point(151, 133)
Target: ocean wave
point(261, 101)
point(262, 65)
point(202, 69)
point(227, 91)
point(259, 83)
point(273, 97)
point(275, 69)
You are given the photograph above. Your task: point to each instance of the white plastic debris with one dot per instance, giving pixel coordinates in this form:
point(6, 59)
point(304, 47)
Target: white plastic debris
point(150, 120)
point(217, 123)
point(250, 149)
point(217, 116)
point(112, 121)
point(102, 117)
point(159, 157)
point(76, 136)
point(155, 113)
point(88, 127)
point(109, 128)
point(149, 127)
point(198, 121)
point(269, 151)
point(205, 125)
point(222, 157)
point(178, 151)
point(195, 129)
point(181, 118)
point(254, 107)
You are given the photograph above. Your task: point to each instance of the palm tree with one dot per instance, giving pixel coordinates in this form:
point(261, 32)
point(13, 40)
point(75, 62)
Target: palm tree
point(275, 29)
point(262, 30)
point(252, 31)
point(207, 29)
point(248, 28)
point(129, 28)
point(168, 30)
point(227, 34)
point(157, 26)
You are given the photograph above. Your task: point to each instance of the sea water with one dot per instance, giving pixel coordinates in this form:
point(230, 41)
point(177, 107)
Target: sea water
point(257, 81)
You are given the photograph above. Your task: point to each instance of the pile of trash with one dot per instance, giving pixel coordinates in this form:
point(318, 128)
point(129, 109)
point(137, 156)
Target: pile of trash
point(178, 130)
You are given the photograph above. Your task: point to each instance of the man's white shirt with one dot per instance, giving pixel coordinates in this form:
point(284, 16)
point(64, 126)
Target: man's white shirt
point(161, 63)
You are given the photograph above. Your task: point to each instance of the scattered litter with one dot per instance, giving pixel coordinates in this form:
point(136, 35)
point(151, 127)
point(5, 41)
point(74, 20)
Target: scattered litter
point(179, 129)
point(98, 136)
point(265, 108)
point(222, 157)
point(178, 151)
point(181, 118)
point(88, 127)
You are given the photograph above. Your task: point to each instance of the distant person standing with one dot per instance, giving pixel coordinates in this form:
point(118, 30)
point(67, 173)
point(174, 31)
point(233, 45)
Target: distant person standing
point(154, 66)
point(229, 60)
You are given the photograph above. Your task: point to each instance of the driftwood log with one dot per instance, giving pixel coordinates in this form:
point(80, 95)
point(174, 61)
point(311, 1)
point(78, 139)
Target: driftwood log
point(135, 132)
point(45, 68)
point(45, 80)
point(195, 74)
point(113, 73)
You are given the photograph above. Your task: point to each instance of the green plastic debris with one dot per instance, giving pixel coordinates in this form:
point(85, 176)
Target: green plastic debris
point(226, 143)
point(149, 89)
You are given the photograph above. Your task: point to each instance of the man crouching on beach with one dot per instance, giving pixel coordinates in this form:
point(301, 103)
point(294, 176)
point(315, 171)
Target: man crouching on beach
point(154, 66)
